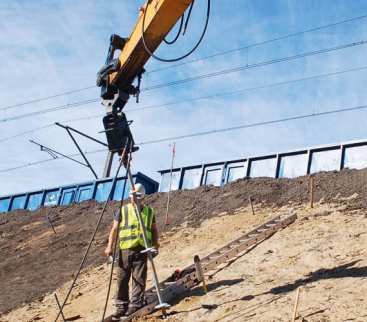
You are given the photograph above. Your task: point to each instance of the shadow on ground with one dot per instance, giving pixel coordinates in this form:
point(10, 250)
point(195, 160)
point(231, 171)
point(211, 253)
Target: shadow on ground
point(342, 271)
point(199, 291)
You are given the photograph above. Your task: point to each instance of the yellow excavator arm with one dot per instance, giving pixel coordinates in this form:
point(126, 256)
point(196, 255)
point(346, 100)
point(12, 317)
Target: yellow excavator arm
point(160, 17)
point(116, 78)
point(155, 21)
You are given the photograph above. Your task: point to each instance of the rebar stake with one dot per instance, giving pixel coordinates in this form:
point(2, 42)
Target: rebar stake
point(311, 190)
point(295, 308)
point(252, 206)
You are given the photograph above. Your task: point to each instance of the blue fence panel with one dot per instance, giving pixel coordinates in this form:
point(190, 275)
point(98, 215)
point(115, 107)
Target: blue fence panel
point(235, 171)
point(166, 178)
point(213, 175)
point(51, 198)
point(4, 204)
point(98, 190)
point(103, 190)
point(84, 193)
point(292, 166)
point(18, 202)
point(355, 157)
point(35, 201)
point(325, 160)
point(119, 190)
point(263, 167)
point(67, 196)
point(191, 178)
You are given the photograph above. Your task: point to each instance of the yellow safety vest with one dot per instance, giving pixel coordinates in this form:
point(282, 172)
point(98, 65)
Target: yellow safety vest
point(130, 232)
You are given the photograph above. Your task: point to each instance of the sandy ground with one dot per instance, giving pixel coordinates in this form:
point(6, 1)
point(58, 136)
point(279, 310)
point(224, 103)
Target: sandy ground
point(323, 253)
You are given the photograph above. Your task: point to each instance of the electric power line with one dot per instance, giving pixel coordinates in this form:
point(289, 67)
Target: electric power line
point(245, 126)
point(255, 65)
point(47, 160)
point(50, 110)
point(37, 100)
point(249, 89)
point(203, 133)
point(222, 53)
point(264, 42)
point(198, 77)
point(216, 95)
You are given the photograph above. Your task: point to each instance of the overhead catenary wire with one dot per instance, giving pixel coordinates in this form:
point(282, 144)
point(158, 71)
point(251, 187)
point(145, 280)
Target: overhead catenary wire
point(45, 98)
point(246, 126)
point(248, 89)
point(255, 65)
point(260, 43)
point(51, 109)
point(222, 53)
point(208, 132)
point(205, 97)
point(195, 78)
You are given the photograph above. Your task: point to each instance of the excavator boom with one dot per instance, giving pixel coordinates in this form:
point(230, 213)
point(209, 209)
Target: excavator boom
point(117, 76)
point(160, 17)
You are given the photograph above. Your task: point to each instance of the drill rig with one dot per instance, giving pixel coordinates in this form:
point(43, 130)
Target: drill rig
point(121, 75)
point(119, 79)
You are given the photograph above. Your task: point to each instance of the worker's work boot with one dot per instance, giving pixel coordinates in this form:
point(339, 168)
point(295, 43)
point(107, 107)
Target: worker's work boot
point(133, 308)
point(120, 310)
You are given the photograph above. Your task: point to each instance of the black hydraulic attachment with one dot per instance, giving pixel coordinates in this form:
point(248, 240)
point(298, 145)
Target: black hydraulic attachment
point(118, 133)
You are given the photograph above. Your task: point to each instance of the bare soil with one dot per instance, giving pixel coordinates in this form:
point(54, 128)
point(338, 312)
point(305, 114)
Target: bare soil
point(323, 254)
point(36, 261)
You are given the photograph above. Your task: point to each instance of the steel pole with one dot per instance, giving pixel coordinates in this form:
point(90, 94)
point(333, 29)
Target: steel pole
point(170, 182)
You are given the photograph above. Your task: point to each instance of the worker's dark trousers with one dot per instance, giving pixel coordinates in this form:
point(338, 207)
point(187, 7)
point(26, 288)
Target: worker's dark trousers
point(131, 263)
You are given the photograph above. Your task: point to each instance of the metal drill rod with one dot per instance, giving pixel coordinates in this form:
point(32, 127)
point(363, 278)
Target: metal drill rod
point(137, 209)
point(58, 304)
point(113, 258)
point(91, 240)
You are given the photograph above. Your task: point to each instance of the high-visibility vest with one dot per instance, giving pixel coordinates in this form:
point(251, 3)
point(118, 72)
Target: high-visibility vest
point(130, 232)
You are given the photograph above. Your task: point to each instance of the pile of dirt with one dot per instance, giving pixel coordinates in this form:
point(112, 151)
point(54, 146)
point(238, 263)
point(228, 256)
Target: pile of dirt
point(347, 186)
point(36, 260)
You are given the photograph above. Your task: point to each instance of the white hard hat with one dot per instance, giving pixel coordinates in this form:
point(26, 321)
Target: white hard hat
point(139, 190)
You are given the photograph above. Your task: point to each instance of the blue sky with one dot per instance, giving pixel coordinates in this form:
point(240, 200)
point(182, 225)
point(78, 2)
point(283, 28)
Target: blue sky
point(48, 47)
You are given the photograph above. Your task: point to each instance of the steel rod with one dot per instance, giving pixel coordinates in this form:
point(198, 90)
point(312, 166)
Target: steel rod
point(58, 304)
point(91, 240)
point(295, 308)
point(50, 222)
point(82, 153)
point(58, 153)
point(170, 183)
point(117, 234)
point(251, 204)
point(66, 127)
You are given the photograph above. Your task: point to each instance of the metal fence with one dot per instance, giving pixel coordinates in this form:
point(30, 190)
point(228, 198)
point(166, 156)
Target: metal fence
point(97, 190)
point(278, 165)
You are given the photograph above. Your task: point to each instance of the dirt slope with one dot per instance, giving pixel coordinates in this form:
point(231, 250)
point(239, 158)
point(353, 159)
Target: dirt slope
point(35, 260)
point(323, 252)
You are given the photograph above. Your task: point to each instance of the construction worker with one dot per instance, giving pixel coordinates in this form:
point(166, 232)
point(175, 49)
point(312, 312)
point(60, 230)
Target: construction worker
point(131, 260)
